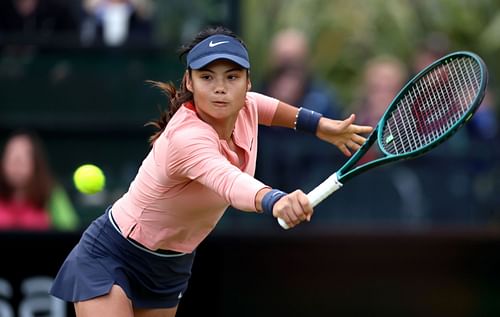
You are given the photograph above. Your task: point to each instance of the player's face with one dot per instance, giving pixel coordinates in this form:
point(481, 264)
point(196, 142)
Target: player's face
point(219, 90)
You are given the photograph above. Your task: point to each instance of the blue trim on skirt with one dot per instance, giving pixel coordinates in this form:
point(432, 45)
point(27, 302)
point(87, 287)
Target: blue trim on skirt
point(103, 257)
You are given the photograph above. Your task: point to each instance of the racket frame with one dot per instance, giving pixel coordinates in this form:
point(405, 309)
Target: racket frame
point(347, 171)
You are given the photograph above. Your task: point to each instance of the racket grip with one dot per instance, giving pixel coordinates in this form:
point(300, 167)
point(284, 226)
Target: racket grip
point(319, 193)
point(323, 190)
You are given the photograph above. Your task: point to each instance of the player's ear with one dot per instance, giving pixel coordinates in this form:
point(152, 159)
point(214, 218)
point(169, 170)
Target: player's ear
point(249, 84)
point(188, 81)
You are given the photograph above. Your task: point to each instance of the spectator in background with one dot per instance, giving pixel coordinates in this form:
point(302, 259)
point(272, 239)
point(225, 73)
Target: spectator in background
point(26, 26)
point(36, 21)
point(288, 160)
point(291, 78)
point(30, 198)
point(382, 78)
point(484, 124)
point(435, 45)
point(114, 22)
point(472, 177)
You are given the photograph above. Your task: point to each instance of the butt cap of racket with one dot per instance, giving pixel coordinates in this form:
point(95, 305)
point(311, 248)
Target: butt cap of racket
point(283, 224)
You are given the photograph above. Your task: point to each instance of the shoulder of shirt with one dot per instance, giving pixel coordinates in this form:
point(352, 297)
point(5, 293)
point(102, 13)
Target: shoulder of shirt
point(186, 127)
point(252, 96)
point(255, 97)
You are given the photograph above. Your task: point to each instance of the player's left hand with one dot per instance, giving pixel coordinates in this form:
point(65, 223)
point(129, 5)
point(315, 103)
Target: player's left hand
point(344, 134)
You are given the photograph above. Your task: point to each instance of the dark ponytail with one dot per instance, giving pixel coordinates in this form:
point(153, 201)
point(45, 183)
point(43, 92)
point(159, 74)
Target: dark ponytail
point(178, 97)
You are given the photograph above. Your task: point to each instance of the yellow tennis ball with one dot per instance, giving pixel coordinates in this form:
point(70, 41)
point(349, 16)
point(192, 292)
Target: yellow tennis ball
point(89, 179)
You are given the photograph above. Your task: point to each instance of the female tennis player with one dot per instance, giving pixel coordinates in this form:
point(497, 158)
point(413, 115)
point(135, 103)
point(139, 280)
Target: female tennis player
point(136, 259)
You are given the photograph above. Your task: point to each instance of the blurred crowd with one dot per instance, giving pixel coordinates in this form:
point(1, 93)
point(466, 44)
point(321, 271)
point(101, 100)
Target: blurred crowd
point(402, 193)
point(31, 197)
point(110, 22)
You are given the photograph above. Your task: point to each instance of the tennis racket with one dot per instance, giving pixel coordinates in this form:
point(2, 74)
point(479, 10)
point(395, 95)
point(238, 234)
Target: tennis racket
point(427, 111)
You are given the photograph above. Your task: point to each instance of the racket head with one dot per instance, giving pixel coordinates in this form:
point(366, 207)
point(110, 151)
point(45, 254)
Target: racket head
point(432, 106)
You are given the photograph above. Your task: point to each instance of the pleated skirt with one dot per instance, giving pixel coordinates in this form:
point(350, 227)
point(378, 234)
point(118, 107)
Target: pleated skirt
point(104, 257)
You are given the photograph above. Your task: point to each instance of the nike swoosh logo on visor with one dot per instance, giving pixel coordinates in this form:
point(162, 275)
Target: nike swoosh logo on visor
point(211, 44)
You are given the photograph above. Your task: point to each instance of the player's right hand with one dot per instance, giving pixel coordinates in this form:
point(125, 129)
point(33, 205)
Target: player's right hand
point(293, 208)
point(344, 134)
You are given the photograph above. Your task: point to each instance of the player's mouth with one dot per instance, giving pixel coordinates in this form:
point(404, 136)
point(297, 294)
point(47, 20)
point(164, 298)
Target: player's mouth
point(220, 103)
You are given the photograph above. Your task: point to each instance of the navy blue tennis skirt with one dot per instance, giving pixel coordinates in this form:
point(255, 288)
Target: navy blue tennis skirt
point(103, 257)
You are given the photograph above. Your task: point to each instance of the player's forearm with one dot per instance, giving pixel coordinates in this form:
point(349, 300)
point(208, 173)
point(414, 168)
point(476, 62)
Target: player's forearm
point(301, 119)
point(285, 115)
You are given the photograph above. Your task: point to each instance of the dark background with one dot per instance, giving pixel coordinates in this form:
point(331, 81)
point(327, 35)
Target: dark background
point(386, 273)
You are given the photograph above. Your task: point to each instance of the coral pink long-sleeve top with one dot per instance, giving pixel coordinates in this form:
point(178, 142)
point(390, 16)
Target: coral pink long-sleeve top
point(190, 177)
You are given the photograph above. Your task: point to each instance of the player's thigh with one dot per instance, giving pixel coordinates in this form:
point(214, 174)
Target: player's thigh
point(159, 312)
point(115, 303)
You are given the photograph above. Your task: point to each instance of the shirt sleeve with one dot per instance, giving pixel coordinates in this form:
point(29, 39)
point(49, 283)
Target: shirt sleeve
point(266, 107)
point(195, 155)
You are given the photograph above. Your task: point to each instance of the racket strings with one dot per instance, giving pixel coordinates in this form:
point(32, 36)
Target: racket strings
point(432, 106)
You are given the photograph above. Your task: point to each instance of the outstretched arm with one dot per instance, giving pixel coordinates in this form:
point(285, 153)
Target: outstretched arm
point(344, 134)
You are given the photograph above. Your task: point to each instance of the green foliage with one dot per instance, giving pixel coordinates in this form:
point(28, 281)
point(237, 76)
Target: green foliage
point(346, 33)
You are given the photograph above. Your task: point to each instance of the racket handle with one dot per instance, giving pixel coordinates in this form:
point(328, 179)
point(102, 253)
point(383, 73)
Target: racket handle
point(318, 194)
